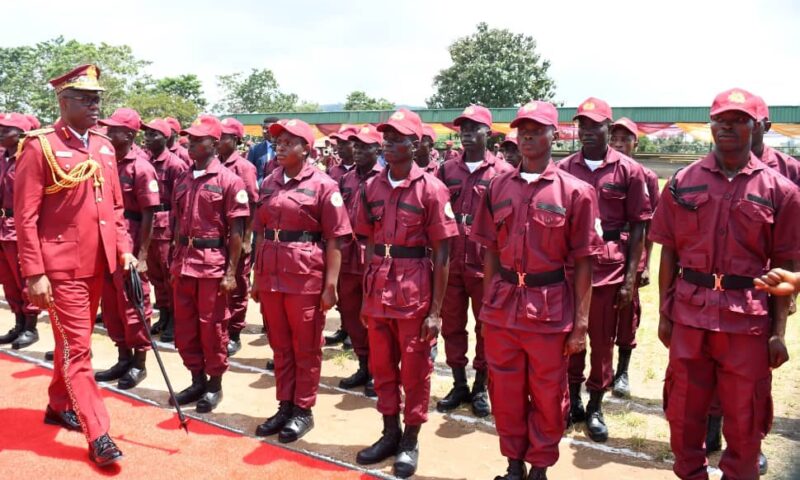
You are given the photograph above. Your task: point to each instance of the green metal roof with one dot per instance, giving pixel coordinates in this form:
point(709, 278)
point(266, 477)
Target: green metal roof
point(778, 114)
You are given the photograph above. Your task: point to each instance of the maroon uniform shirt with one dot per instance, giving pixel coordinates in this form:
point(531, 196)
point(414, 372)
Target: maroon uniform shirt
point(204, 208)
point(736, 227)
point(535, 228)
point(622, 197)
point(414, 214)
point(353, 248)
point(8, 172)
point(786, 165)
point(246, 171)
point(169, 169)
point(337, 171)
point(309, 202)
point(139, 184)
point(182, 153)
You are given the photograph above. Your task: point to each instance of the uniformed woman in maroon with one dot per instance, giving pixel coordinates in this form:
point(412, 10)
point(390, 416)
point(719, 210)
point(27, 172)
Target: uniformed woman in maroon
point(296, 274)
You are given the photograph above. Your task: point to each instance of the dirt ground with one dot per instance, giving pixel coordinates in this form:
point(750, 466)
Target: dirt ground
point(457, 445)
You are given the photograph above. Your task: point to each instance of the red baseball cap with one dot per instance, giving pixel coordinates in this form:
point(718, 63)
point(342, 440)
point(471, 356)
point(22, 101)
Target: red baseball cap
point(204, 126)
point(368, 134)
point(123, 117)
point(736, 99)
point(449, 143)
point(295, 127)
point(404, 121)
point(511, 137)
point(627, 124)
point(233, 127)
point(428, 131)
point(174, 124)
point(762, 108)
point(594, 109)
point(159, 125)
point(540, 112)
point(16, 120)
point(476, 113)
point(35, 124)
point(345, 132)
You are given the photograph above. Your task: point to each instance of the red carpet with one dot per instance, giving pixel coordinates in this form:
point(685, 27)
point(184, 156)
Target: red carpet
point(155, 448)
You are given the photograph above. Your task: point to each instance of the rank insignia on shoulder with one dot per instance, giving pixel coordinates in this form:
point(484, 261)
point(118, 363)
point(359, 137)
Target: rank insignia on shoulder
point(106, 151)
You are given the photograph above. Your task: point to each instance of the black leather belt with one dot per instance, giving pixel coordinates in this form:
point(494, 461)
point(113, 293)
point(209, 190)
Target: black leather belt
point(717, 281)
point(532, 279)
point(162, 207)
point(291, 235)
point(6, 212)
point(360, 238)
point(464, 218)
point(131, 215)
point(612, 235)
point(399, 251)
point(196, 242)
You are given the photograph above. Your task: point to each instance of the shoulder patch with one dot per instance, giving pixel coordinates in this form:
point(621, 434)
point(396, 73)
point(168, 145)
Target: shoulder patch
point(448, 211)
point(153, 186)
point(241, 196)
point(337, 200)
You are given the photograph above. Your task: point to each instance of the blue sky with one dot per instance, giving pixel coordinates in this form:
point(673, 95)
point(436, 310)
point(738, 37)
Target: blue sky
point(675, 52)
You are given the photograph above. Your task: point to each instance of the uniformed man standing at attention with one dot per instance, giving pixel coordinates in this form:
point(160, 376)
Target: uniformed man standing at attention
point(71, 233)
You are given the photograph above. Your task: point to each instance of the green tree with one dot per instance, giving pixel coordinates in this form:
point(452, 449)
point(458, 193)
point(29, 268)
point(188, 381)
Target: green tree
point(358, 100)
point(187, 86)
point(257, 92)
point(25, 72)
point(492, 67)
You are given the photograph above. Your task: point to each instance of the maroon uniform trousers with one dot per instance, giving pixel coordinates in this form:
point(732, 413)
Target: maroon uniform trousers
point(158, 259)
point(603, 324)
point(237, 307)
point(201, 333)
point(120, 317)
point(351, 294)
point(14, 286)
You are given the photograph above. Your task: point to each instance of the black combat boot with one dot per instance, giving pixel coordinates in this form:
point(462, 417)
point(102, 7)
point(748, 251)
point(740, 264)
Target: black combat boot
point(136, 373)
point(595, 423)
point(458, 395)
point(576, 412)
point(302, 422)
point(157, 327)
point(124, 359)
point(480, 397)
point(621, 386)
point(193, 392)
point(516, 471)
point(213, 395)
point(29, 335)
point(234, 343)
point(275, 423)
point(538, 473)
point(405, 464)
point(168, 332)
point(358, 379)
point(386, 446)
point(12, 334)
point(713, 434)
point(335, 338)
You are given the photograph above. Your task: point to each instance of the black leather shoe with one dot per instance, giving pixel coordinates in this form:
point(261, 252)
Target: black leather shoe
point(193, 392)
point(25, 339)
point(405, 464)
point(209, 401)
point(595, 422)
point(369, 389)
point(335, 338)
point(577, 413)
point(358, 379)
point(516, 471)
point(480, 404)
point(386, 446)
point(763, 465)
point(233, 347)
point(459, 395)
point(713, 434)
point(103, 451)
point(270, 366)
point(275, 423)
point(12, 334)
point(132, 377)
point(538, 473)
point(347, 344)
point(49, 355)
point(302, 422)
point(66, 419)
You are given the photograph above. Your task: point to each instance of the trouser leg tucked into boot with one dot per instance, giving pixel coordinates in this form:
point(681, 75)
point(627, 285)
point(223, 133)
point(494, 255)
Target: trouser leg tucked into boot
point(386, 446)
point(458, 395)
point(595, 423)
point(29, 335)
point(124, 358)
point(621, 386)
point(136, 373)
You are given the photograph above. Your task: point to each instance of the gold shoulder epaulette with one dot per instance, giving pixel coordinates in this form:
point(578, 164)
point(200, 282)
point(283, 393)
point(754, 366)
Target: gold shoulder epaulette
point(100, 134)
point(41, 131)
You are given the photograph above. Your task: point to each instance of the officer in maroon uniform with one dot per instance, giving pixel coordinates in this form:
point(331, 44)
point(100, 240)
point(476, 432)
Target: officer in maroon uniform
point(24, 333)
point(366, 144)
point(210, 205)
point(173, 145)
point(169, 169)
point(424, 156)
point(467, 178)
point(510, 149)
point(296, 273)
point(344, 149)
point(140, 195)
point(723, 221)
point(405, 213)
point(624, 208)
point(70, 233)
point(624, 139)
point(533, 222)
point(232, 134)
